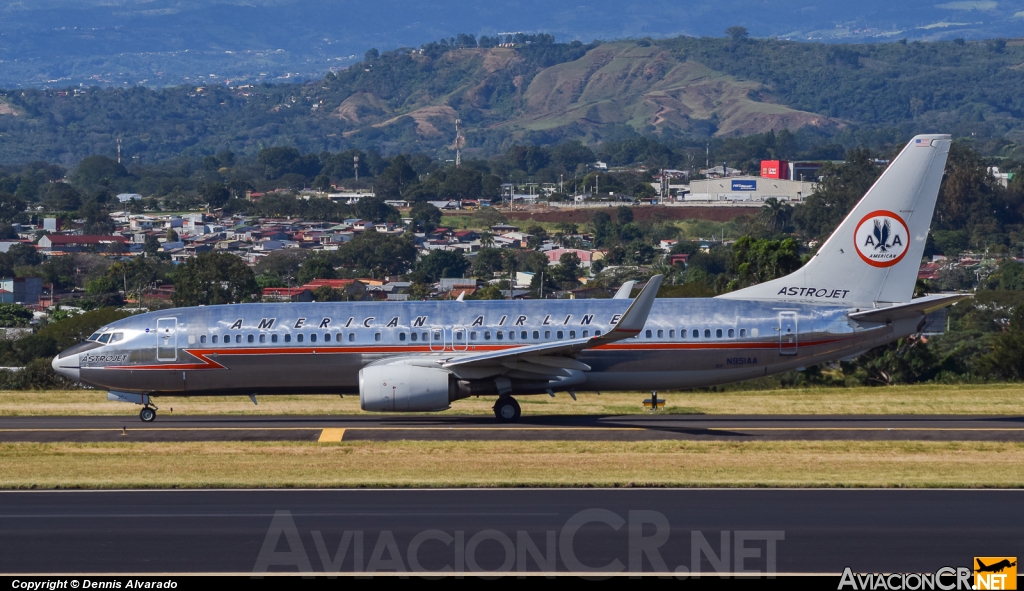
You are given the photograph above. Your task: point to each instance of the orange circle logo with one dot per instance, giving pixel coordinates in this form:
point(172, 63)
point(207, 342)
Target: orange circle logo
point(882, 238)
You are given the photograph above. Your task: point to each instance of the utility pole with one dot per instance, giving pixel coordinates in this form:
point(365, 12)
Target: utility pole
point(707, 155)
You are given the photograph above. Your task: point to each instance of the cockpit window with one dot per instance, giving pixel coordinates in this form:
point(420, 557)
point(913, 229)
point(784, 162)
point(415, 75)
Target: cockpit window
point(105, 337)
point(117, 336)
point(93, 337)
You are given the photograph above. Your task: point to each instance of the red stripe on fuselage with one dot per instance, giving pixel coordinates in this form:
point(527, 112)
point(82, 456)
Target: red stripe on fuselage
point(207, 363)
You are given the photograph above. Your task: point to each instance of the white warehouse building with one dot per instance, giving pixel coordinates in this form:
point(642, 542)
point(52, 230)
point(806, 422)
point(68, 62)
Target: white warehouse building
point(748, 188)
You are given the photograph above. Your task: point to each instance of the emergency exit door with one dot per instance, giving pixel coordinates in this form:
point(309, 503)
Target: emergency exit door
point(167, 339)
point(787, 333)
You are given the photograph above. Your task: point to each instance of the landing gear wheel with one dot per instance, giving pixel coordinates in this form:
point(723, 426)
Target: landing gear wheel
point(507, 410)
point(147, 414)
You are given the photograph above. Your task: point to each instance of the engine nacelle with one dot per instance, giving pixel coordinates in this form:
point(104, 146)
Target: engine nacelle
point(405, 388)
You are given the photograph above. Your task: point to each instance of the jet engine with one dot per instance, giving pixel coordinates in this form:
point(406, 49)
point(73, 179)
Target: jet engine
point(405, 388)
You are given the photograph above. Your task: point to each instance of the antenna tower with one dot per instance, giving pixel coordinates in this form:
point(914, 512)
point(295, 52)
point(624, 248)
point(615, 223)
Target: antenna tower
point(119, 150)
point(460, 141)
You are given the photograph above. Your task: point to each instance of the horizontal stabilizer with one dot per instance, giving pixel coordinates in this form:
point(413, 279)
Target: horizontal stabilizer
point(911, 309)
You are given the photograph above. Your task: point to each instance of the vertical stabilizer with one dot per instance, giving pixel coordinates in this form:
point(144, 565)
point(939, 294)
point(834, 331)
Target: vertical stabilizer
point(874, 255)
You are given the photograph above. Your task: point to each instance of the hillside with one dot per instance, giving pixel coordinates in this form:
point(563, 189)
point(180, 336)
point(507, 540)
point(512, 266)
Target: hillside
point(543, 92)
point(156, 43)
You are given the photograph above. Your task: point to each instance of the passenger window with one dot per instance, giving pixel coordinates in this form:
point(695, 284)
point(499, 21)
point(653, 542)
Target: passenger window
point(523, 335)
point(487, 335)
point(500, 335)
point(718, 333)
point(572, 334)
point(696, 333)
point(743, 332)
point(459, 334)
point(511, 335)
point(312, 338)
point(647, 333)
point(202, 339)
point(426, 337)
point(376, 336)
point(597, 333)
point(327, 337)
point(401, 336)
point(672, 333)
point(238, 338)
point(472, 335)
point(251, 338)
point(559, 335)
point(414, 336)
point(732, 333)
point(547, 334)
point(536, 334)
point(586, 333)
point(213, 339)
point(273, 338)
point(299, 337)
point(707, 333)
point(287, 338)
point(105, 338)
point(437, 335)
point(263, 338)
point(661, 334)
point(351, 337)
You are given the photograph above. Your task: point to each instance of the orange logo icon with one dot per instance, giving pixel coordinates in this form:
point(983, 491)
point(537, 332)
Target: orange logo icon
point(995, 572)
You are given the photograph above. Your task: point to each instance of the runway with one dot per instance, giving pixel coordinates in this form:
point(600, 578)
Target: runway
point(569, 530)
point(465, 428)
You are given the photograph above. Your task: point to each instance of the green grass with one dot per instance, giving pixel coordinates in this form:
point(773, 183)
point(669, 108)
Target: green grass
point(512, 463)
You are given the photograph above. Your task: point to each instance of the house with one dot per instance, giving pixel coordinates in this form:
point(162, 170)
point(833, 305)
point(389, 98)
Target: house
point(587, 257)
point(54, 243)
point(678, 258)
point(467, 235)
point(503, 229)
point(287, 294)
point(20, 290)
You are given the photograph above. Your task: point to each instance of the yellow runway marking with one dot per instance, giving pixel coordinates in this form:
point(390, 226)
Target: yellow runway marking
point(331, 435)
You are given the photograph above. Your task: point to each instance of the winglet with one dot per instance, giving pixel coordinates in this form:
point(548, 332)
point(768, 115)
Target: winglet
point(632, 322)
point(624, 291)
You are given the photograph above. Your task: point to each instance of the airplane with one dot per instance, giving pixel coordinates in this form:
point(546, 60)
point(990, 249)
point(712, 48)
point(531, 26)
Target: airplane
point(994, 568)
point(855, 294)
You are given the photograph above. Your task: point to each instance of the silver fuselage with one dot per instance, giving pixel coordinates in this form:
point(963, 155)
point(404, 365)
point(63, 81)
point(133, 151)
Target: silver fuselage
point(318, 348)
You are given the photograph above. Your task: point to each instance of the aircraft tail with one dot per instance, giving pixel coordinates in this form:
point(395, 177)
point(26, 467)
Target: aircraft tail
point(874, 255)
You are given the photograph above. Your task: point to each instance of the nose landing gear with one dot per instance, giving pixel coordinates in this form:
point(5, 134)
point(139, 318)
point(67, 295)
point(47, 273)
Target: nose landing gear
point(147, 414)
point(507, 410)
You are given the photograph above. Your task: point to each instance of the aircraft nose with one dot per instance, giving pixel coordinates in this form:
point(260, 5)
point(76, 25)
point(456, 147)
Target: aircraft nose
point(66, 366)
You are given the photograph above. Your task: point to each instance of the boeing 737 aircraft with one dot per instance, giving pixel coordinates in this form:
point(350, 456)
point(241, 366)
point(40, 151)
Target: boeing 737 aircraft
point(855, 294)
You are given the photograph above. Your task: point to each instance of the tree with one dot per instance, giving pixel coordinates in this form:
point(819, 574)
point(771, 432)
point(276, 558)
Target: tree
point(487, 262)
point(24, 255)
point(172, 236)
point(757, 261)
point(737, 33)
point(316, 267)
point(775, 214)
point(14, 315)
point(61, 197)
point(425, 216)
point(98, 171)
point(440, 264)
point(567, 272)
point(841, 188)
point(214, 278)
point(10, 207)
point(326, 293)
point(215, 194)
point(376, 252)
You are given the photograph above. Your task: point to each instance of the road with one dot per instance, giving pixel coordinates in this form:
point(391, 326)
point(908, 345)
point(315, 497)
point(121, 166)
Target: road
point(568, 530)
point(567, 427)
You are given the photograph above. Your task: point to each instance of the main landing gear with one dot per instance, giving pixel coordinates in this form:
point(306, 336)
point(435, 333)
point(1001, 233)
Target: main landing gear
point(147, 414)
point(507, 410)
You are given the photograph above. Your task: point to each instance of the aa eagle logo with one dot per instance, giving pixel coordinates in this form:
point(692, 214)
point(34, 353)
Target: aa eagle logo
point(882, 238)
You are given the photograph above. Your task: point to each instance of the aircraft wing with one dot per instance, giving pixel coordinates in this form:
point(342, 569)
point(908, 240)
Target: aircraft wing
point(554, 358)
point(911, 309)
